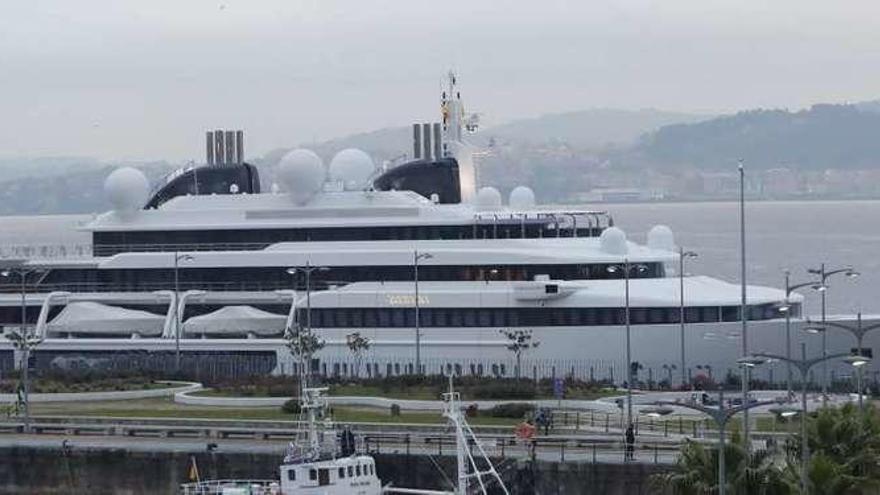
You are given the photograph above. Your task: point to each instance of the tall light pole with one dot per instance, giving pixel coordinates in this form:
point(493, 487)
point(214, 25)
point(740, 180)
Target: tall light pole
point(789, 288)
point(177, 316)
point(744, 303)
point(626, 267)
point(858, 332)
point(307, 272)
point(823, 275)
point(417, 256)
point(682, 254)
point(721, 416)
point(803, 365)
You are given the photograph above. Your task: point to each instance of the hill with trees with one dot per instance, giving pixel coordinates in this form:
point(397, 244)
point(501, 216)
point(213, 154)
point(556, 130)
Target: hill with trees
point(821, 137)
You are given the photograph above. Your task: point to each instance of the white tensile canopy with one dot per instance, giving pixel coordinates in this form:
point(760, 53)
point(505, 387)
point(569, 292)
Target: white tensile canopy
point(94, 318)
point(236, 320)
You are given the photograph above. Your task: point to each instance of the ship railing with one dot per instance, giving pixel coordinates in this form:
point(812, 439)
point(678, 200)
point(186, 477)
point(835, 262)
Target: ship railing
point(213, 487)
point(561, 223)
point(46, 251)
point(220, 286)
point(111, 249)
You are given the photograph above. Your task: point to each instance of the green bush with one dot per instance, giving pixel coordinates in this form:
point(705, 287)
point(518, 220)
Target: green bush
point(507, 389)
point(515, 410)
point(291, 406)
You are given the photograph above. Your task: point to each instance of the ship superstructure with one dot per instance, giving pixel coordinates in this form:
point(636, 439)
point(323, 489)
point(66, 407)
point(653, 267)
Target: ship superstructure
point(414, 258)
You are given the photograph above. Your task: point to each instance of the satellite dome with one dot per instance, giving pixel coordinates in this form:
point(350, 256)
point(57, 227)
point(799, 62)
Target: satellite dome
point(127, 189)
point(660, 237)
point(521, 198)
point(488, 198)
point(352, 167)
point(613, 241)
point(302, 173)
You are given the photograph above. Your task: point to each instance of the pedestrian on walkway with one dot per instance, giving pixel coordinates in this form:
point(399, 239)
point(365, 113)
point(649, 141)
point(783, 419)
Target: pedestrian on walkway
point(630, 443)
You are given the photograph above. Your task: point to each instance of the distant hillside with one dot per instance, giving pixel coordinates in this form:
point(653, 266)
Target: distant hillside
point(591, 129)
point(825, 136)
point(77, 190)
point(19, 167)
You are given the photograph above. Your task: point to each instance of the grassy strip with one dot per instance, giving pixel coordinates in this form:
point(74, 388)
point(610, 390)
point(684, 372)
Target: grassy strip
point(411, 393)
point(166, 408)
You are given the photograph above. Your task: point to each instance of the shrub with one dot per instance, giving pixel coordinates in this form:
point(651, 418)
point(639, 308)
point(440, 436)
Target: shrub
point(291, 406)
point(515, 410)
point(395, 410)
point(511, 389)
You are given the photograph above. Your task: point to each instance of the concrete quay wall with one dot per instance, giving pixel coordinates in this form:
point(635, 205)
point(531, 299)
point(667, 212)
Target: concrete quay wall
point(130, 472)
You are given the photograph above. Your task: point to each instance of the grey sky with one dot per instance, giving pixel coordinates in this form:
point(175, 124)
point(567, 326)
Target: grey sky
point(143, 80)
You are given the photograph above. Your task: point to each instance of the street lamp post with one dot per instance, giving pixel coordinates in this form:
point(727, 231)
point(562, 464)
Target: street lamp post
point(823, 275)
point(307, 272)
point(744, 302)
point(417, 256)
point(858, 332)
point(627, 267)
point(803, 365)
point(789, 288)
point(721, 416)
point(682, 254)
point(177, 316)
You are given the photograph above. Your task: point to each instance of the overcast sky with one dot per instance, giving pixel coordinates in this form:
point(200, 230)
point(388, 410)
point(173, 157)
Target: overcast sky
point(143, 80)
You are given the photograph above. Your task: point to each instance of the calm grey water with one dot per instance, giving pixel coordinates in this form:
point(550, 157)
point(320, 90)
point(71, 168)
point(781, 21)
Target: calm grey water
point(781, 235)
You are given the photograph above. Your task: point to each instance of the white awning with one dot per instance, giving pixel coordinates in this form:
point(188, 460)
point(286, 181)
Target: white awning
point(236, 320)
point(94, 318)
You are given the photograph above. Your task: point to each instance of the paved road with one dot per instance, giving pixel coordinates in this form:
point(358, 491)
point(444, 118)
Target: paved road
point(612, 454)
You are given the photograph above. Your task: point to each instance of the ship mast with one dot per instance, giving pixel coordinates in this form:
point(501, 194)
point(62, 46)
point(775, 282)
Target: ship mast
point(469, 473)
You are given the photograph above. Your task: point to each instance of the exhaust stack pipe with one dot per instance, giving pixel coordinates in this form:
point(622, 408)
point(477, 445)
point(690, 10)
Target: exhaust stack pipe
point(209, 147)
point(417, 141)
point(426, 141)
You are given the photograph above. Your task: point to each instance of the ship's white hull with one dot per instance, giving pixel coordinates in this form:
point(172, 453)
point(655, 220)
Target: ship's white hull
point(596, 351)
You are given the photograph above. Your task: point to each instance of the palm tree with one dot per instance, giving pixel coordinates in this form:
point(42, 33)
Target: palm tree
point(696, 472)
point(845, 450)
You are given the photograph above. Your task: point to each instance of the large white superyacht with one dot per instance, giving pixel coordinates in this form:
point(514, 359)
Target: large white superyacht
point(431, 269)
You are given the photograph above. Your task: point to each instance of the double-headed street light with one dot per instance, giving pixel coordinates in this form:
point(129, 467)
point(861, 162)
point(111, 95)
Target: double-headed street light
point(20, 270)
point(858, 332)
point(417, 257)
point(178, 257)
point(824, 274)
point(721, 415)
point(803, 365)
point(627, 268)
point(786, 308)
point(682, 254)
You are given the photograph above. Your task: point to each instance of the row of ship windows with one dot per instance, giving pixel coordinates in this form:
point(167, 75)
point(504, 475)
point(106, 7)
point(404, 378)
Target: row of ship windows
point(518, 317)
point(109, 243)
point(246, 278)
point(356, 470)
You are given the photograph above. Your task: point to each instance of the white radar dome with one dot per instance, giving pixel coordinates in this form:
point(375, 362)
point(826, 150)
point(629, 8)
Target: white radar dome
point(521, 198)
point(660, 237)
point(352, 167)
point(302, 174)
point(613, 241)
point(488, 198)
point(127, 189)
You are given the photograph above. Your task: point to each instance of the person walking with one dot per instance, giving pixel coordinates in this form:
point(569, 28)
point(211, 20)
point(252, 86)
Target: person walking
point(630, 443)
